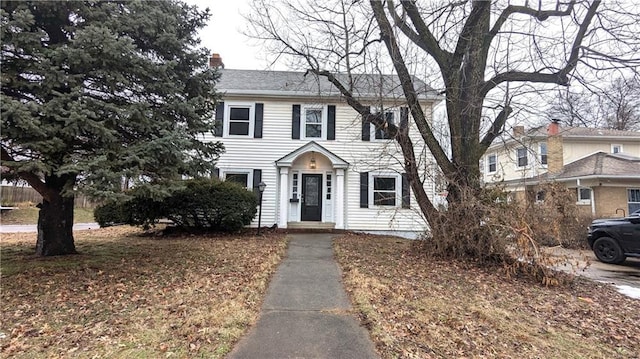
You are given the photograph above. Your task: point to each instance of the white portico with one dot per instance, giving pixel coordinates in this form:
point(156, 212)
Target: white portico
point(311, 187)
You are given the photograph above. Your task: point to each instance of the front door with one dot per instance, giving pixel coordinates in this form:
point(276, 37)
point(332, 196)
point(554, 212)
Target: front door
point(311, 198)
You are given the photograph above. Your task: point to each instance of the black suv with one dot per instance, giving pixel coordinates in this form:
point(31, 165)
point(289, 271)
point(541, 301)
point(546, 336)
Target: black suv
point(615, 239)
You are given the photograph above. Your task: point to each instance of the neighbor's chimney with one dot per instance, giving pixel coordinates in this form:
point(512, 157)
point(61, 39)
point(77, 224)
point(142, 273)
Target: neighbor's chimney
point(555, 162)
point(216, 61)
point(518, 131)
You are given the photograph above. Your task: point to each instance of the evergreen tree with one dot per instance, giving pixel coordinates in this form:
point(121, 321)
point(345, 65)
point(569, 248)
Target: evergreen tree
point(94, 92)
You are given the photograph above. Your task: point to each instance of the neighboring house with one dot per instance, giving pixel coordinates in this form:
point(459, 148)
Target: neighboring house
point(324, 166)
point(602, 166)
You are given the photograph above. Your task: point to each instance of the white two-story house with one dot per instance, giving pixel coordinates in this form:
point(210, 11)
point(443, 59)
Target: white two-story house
point(323, 166)
point(601, 166)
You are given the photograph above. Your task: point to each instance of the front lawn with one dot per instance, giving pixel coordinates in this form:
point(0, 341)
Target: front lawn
point(133, 296)
point(419, 308)
point(27, 213)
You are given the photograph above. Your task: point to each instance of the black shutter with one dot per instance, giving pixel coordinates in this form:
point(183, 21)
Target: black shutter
point(364, 189)
point(295, 123)
point(406, 194)
point(331, 122)
point(216, 173)
point(366, 126)
point(257, 178)
point(257, 127)
point(219, 121)
point(404, 117)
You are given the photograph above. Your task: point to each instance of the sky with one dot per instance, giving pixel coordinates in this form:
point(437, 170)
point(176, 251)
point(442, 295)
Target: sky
point(224, 35)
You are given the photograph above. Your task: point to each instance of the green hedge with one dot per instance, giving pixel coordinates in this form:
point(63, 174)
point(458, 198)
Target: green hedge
point(200, 204)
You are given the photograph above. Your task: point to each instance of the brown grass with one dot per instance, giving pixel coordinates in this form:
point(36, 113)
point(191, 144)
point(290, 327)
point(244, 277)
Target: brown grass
point(415, 307)
point(27, 213)
point(129, 296)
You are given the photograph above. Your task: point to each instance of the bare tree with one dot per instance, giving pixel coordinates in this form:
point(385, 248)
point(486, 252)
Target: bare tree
point(616, 106)
point(482, 54)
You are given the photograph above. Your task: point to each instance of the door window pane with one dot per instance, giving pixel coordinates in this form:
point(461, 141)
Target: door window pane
point(311, 191)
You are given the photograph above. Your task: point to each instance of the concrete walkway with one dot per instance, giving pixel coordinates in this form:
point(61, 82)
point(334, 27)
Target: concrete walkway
point(33, 228)
point(305, 313)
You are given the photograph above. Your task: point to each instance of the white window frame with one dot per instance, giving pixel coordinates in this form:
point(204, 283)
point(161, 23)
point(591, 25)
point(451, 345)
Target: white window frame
point(546, 154)
point(495, 155)
point(303, 122)
point(629, 201)
point(584, 200)
point(398, 189)
point(526, 154)
point(396, 121)
point(248, 172)
point(227, 117)
point(616, 145)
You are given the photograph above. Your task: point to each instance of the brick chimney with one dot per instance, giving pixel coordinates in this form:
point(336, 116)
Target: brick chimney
point(216, 61)
point(555, 152)
point(518, 131)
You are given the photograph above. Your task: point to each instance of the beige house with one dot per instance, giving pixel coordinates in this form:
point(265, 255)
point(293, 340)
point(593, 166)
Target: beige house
point(602, 166)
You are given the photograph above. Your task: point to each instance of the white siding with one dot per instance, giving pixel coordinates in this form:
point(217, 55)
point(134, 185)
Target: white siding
point(362, 156)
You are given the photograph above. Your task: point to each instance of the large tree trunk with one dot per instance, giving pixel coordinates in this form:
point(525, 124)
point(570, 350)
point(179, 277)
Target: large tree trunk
point(55, 227)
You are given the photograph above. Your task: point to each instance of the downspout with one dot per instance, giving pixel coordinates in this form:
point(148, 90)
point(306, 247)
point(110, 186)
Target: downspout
point(593, 202)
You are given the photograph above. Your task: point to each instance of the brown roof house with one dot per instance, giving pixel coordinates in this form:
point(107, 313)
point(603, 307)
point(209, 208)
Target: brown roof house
point(602, 166)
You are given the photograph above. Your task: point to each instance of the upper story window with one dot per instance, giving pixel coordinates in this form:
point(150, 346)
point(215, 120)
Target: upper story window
point(378, 132)
point(543, 153)
point(313, 123)
point(615, 148)
point(492, 163)
point(521, 157)
point(239, 119)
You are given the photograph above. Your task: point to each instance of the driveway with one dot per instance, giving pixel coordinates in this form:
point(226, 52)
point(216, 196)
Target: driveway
point(15, 228)
point(625, 276)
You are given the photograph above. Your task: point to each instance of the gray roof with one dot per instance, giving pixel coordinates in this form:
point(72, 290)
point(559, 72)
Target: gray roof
point(598, 165)
point(292, 84)
point(583, 132)
point(602, 164)
point(540, 132)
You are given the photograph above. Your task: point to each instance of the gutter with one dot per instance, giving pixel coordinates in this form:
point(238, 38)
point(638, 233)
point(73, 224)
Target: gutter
point(309, 94)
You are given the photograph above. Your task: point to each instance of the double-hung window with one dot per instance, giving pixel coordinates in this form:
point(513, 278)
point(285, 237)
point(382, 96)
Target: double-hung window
point(492, 163)
point(241, 177)
point(385, 190)
point(521, 157)
point(239, 118)
point(389, 118)
point(313, 122)
point(543, 153)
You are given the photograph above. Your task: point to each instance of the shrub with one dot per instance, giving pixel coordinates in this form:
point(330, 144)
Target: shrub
point(199, 204)
point(111, 213)
point(202, 204)
point(488, 228)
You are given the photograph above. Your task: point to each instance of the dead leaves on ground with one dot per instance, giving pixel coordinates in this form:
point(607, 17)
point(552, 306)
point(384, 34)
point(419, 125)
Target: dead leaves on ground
point(131, 296)
point(420, 308)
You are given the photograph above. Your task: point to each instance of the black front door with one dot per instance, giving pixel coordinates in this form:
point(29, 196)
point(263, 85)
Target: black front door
point(311, 198)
